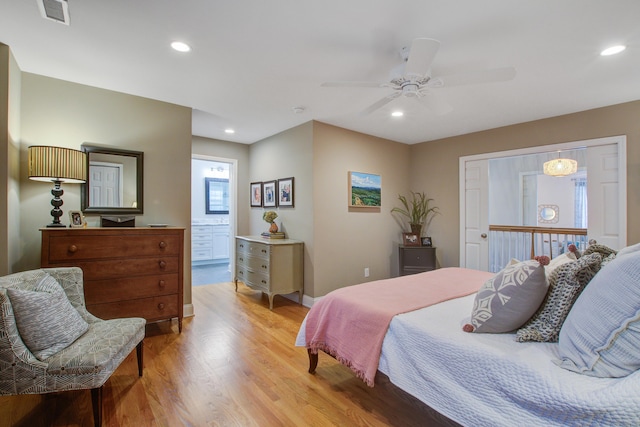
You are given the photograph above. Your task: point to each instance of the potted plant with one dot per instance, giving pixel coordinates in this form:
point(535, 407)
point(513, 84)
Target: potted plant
point(418, 211)
point(270, 217)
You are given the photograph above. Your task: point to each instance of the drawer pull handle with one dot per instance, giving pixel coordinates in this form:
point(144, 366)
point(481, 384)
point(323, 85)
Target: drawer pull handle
point(241, 245)
point(162, 244)
point(264, 281)
point(161, 306)
point(264, 251)
point(161, 283)
point(241, 259)
point(264, 266)
point(73, 249)
point(162, 264)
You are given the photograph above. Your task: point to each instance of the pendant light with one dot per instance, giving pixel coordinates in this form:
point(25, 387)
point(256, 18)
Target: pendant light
point(560, 167)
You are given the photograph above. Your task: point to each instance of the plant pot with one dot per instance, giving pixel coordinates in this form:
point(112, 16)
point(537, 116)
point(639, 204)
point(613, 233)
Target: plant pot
point(416, 229)
point(273, 228)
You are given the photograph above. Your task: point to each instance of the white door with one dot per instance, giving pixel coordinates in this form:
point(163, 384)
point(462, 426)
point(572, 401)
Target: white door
point(105, 186)
point(476, 215)
point(603, 194)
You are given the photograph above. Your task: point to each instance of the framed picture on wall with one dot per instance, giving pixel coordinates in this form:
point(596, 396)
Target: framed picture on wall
point(364, 190)
point(256, 194)
point(269, 194)
point(285, 192)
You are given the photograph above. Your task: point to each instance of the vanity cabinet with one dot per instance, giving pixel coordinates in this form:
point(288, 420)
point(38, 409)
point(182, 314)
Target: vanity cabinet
point(416, 259)
point(127, 272)
point(273, 266)
point(209, 243)
point(201, 243)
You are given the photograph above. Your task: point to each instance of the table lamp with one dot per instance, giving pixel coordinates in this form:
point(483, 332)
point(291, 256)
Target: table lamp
point(57, 165)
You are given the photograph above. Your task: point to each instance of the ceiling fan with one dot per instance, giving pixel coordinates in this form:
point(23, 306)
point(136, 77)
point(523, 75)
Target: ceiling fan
point(412, 78)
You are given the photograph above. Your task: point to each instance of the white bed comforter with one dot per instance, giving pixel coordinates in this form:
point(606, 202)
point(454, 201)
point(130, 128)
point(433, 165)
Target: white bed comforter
point(492, 380)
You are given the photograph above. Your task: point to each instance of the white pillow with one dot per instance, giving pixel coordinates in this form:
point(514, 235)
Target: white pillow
point(629, 249)
point(601, 335)
point(558, 261)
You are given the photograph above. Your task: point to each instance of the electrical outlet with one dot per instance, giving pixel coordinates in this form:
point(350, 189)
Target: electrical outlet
point(366, 272)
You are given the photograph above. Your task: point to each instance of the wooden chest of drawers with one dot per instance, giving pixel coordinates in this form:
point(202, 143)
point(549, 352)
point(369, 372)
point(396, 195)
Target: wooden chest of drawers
point(271, 266)
point(127, 272)
point(416, 259)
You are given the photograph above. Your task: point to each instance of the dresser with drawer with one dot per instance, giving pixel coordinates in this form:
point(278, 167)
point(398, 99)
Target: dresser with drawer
point(127, 272)
point(273, 266)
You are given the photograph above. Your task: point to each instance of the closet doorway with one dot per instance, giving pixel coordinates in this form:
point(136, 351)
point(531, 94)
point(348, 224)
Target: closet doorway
point(213, 207)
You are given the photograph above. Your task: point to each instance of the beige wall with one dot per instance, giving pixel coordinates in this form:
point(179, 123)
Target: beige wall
point(345, 242)
point(60, 113)
point(284, 155)
point(434, 165)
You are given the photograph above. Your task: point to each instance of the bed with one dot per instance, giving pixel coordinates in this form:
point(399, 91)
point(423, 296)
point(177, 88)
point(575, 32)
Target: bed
point(491, 378)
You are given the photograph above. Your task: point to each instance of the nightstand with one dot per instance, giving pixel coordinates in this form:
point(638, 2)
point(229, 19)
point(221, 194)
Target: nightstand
point(416, 259)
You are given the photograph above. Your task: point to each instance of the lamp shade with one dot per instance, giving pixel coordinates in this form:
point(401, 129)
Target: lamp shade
point(560, 167)
point(57, 164)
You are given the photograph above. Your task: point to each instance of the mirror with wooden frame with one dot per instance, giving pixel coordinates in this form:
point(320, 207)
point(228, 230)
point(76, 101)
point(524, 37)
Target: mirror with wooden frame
point(114, 181)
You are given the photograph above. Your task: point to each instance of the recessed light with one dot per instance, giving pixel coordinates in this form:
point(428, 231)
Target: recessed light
point(181, 47)
point(229, 131)
point(613, 50)
point(397, 114)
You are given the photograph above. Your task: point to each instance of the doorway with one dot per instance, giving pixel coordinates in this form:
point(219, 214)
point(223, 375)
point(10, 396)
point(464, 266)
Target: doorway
point(607, 209)
point(213, 207)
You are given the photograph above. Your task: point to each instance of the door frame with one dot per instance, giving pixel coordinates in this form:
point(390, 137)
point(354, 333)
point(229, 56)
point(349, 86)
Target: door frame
point(233, 201)
point(619, 140)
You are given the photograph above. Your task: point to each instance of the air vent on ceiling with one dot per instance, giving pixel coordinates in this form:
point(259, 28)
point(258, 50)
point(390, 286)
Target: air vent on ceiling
point(56, 10)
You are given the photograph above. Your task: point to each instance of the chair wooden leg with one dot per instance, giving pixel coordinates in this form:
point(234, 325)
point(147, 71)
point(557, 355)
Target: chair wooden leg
point(96, 401)
point(139, 352)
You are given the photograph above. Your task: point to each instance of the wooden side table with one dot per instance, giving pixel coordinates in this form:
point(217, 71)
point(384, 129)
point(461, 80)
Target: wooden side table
point(416, 259)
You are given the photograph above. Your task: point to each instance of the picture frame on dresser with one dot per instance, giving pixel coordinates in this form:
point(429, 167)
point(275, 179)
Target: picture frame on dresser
point(269, 199)
point(285, 192)
point(76, 219)
point(426, 241)
point(255, 191)
point(410, 239)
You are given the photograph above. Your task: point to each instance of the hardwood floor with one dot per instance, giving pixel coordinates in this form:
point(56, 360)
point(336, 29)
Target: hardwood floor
point(235, 364)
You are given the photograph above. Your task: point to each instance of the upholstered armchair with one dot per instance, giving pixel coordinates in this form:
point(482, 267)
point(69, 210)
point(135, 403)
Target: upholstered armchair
point(49, 342)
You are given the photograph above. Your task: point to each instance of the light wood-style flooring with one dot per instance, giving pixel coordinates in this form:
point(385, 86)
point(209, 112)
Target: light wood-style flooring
point(235, 364)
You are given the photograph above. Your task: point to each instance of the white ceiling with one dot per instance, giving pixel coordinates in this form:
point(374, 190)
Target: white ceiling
point(254, 60)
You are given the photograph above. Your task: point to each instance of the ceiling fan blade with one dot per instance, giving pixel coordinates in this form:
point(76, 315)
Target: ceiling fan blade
point(379, 104)
point(352, 84)
point(421, 55)
point(475, 77)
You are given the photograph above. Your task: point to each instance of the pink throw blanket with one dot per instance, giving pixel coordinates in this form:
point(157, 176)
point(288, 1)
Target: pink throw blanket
point(350, 323)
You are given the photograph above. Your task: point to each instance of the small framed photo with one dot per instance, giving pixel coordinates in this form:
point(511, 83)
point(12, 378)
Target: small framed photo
point(426, 241)
point(410, 239)
point(269, 199)
point(256, 194)
point(76, 219)
point(285, 192)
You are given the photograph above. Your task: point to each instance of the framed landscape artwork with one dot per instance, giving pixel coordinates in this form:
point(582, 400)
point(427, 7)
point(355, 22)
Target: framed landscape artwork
point(364, 190)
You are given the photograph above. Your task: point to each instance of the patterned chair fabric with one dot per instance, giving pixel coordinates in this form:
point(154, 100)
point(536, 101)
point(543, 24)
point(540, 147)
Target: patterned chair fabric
point(85, 364)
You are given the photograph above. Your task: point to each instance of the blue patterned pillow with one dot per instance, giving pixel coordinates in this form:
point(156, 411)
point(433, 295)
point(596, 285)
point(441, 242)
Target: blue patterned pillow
point(45, 318)
point(601, 335)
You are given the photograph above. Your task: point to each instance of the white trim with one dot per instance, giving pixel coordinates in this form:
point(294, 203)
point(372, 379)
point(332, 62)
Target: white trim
point(620, 140)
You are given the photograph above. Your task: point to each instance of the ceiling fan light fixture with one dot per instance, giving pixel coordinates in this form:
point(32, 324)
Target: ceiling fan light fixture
point(613, 50)
point(560, 167)
point(397, 114)
point(229, 130)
